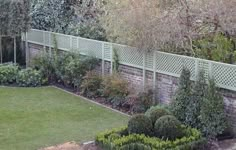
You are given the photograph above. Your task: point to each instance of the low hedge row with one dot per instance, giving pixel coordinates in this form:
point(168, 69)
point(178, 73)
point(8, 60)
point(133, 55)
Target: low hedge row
point(118, 139)
point(12, 74)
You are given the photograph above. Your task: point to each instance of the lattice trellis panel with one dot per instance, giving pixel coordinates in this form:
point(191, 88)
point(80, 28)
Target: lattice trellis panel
point(129, 55)
point(205, 66)
point(46, 38)
point(63, 41)
point(224, 75)
point(107, 51)
point(36, 36)
point(149, 60)
point(173, 64)
point(90, 47)
point(74, 44)
point(170, 64)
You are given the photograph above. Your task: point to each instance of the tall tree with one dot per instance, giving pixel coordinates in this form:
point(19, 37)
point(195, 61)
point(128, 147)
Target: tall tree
point(53, 15)
point(168, 25)
point(75, 17)
point(14, 19)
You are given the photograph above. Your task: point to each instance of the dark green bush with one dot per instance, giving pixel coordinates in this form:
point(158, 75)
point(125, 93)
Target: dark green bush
point(47, 65)
point(157, 113)
point(68, 68)
point(143, 102)
point(182, 96)
point(91, 84)
point(8, 73)
point(140, 124)
point(213, 116)
point(29, 78)
point(168, 127)
point(191, 141)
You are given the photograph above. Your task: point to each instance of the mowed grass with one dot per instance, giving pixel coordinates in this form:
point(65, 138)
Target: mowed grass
point(32, 118)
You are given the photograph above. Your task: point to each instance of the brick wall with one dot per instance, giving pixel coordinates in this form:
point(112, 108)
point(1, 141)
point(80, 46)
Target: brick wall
point(165, 84)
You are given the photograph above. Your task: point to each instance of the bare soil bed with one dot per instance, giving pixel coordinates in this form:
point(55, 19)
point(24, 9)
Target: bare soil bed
point(72, 146)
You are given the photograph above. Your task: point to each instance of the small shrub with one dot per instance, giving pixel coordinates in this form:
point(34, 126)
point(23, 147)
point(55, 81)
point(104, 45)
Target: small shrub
point(157, 113)
point(143, 102)
point(168, 127)
point(140, 124)
point(91, 84)
point(115, 89)
point(8, 73)
point(29, 78)
point(47, 65)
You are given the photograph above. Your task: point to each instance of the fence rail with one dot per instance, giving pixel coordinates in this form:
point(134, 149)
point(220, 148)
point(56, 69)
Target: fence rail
point(158, 62)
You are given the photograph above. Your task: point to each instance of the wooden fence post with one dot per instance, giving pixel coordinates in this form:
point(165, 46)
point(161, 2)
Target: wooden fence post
point(44, 41)
point(1, 48)
point(14, 49)
point(27, 52)
point(111, 50)
point(154, 77)
point(103, 61)
point(50, 46)
point(144, 71)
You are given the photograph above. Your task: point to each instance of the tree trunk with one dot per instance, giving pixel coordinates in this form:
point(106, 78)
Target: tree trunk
point(26, 50)
point(14, 49)
point(1, 48)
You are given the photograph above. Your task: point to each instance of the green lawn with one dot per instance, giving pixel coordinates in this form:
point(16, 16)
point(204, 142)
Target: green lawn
point(32, 118)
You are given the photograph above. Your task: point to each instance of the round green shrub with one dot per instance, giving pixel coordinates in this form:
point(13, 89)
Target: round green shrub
point(148, 112)
point(140, 124)
point(158, 113)
point(168, 127)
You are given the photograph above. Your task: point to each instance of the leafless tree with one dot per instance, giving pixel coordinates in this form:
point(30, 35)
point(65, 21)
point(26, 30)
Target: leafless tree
point(172, 25)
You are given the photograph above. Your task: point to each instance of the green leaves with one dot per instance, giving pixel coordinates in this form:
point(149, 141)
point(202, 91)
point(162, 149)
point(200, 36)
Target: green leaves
point(14, 17)
point(8, 73)
point(191, 140)
point(53, 15)
point(29, 78)
point(213, 117)
point(182, 97)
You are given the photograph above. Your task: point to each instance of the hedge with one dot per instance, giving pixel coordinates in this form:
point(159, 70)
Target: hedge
point(191, 141)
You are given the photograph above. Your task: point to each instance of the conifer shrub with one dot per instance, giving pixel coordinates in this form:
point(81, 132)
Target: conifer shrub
point(212, 114)
point(182, 96)
point(194, 107)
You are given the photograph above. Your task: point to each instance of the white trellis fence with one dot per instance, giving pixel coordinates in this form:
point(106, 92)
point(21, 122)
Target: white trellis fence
point(157, 62)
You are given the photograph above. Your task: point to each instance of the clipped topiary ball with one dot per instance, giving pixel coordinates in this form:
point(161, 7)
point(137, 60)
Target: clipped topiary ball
point(168, 127)
point(148, 112)
point(140, 124)
point(155, 114)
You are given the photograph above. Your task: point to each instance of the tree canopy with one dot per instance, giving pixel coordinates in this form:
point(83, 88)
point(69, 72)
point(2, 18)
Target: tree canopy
point(168, 25)
point(14, 17)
